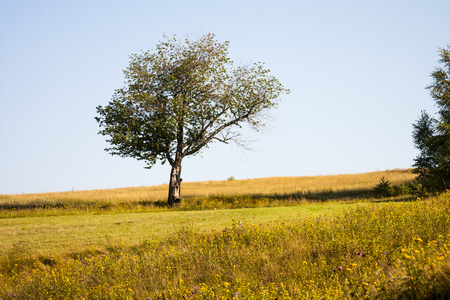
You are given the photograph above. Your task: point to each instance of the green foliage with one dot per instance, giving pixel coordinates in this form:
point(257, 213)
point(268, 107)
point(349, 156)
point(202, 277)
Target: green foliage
point(383, 187)
point(432, 136)
point(419, 190)
point(184, 95)
point(423, 130)
point(400, 190)
point(181, 97)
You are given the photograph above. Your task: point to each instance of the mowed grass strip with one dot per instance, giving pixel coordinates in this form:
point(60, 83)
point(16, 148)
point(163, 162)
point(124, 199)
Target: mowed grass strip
point(65, 234)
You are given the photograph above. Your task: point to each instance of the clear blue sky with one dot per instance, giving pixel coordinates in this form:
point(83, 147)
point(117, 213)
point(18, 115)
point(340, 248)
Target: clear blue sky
point(357, 71)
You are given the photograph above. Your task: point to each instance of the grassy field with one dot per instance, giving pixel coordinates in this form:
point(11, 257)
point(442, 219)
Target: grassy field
point(325, 237)
point(262, 192)
point(56, 235)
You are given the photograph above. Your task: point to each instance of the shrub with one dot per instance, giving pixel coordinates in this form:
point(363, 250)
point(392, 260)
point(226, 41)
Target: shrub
point(400, 190)
point(419, 190)
point(383, 187)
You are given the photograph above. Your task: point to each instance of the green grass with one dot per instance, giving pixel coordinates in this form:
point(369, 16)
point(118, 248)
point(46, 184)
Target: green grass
point(396, 250)
point(58, 235)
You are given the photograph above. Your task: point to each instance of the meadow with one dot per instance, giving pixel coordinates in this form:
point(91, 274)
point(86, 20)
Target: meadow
point(326, 237)
point(261, 192)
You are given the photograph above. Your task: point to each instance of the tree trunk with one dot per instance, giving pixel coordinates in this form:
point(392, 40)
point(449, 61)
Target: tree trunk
point(175, 184)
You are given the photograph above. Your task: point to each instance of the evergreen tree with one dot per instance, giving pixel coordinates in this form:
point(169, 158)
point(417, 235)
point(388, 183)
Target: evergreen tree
point(422, 132)
point(432, 137)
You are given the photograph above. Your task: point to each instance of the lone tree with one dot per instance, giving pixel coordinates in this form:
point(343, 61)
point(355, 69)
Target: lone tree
point(432, 136)
point(179, 98)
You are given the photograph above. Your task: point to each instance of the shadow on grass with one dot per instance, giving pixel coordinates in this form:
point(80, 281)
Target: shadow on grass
point(52, 204)
point(148, 203)
point(220, 201)
point(75, 205)
point(319, 196)
point(438, 289)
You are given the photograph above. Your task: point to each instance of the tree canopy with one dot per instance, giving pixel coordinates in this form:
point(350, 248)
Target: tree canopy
point(432, 136)
point(182, 96)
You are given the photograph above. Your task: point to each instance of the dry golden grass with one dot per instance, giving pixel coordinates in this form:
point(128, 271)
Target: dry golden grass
point(289, 185)
point(264, 186)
